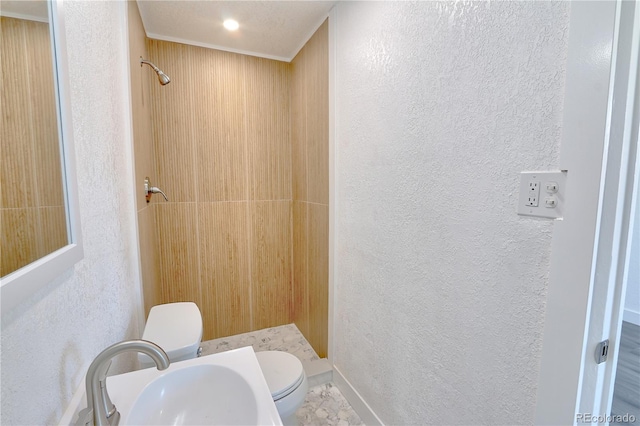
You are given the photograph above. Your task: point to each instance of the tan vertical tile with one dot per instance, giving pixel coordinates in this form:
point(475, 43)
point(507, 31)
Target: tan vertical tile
point(178, 252)
point(300, 307)
point(220, 119)
point(224, 254)
point(318, 277)
point(149, 265)
point(318, 116)
point(141, 112)
point(18, 228)
point(172, 120)
point(244, 130)
point(144, 158)
point(143, 144)
point(310, 140)
point(268, 129)
point(44, 122)
point(17, 175)
point(299, 126)
point(270, 263)
point(52, 229)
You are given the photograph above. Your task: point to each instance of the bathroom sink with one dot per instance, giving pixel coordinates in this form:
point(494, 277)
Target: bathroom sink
point(221, 389)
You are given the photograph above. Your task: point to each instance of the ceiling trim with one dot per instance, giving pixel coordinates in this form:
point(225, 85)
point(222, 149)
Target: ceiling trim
point(24, 16)
point(216, 47)
point(311, 33)
point(275, 30)
point(240, 51)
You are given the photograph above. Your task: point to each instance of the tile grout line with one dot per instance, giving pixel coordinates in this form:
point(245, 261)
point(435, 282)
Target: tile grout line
point(305, 115)
point(292, 269)
point(194, 155)
point(247, 191)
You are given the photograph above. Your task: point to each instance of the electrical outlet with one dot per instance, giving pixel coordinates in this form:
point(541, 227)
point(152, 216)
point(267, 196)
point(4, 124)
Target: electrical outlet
point(542, 194)
point(534, 194)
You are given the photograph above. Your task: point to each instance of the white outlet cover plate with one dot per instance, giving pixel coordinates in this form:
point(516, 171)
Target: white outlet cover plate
point(559, 177)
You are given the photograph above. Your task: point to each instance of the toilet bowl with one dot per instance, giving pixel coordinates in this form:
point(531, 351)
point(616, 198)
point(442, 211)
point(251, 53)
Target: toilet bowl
point(176, 328)
point(287, 382)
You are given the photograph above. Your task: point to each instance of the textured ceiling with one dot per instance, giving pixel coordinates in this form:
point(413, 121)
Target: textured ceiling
point(270, 29)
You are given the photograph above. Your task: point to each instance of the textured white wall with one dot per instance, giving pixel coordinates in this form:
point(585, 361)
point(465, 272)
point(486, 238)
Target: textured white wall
point(440, 286)
point(49, 341)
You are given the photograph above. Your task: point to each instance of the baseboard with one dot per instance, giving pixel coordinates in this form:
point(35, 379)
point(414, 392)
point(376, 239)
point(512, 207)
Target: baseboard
point(365, 412)
point(319, 372)
point(631, 316)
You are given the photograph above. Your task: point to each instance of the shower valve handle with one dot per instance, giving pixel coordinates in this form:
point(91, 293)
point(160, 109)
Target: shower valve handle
point(150, 190)
point(156, 190)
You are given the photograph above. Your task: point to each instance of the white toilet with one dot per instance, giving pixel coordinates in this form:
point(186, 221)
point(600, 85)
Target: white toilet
point(287, 382)
point(177, 328)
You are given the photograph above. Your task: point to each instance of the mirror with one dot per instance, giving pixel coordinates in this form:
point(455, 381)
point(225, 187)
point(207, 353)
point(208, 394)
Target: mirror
point(38, 207)
point(34, 220)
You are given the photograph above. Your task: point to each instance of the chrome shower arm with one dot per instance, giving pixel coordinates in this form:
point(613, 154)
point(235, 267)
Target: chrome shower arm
point(162, 77)
point(144, 61)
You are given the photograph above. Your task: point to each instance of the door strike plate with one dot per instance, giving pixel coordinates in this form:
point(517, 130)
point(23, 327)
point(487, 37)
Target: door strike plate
point(602, 351)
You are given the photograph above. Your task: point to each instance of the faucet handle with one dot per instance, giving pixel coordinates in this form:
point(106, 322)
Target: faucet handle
point(149, 190)
point(99, 404)
point(156, 190)
point(106, 400)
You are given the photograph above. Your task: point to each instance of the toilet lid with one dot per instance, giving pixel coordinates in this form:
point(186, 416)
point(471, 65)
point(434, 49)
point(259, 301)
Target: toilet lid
point(175, 327)
point(282, 371)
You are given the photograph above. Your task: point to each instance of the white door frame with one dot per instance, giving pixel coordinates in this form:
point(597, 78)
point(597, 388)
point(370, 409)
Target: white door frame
point(617, 209)
point(589, 246)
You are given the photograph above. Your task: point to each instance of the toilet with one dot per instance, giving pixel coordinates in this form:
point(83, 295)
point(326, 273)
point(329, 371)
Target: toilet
point(287, 382)
point(177, 328)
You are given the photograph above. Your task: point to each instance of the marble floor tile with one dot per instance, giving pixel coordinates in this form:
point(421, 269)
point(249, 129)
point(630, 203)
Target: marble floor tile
point(283, 338)
point(325, 405)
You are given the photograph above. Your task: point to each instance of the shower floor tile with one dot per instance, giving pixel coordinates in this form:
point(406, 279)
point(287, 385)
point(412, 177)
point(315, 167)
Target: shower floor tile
point(283, 338)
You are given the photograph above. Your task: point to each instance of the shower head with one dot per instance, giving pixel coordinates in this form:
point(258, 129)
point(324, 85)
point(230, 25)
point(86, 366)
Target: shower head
point(162, 77)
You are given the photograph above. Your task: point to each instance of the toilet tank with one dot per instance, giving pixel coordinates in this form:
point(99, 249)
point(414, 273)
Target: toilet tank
point(176, 328)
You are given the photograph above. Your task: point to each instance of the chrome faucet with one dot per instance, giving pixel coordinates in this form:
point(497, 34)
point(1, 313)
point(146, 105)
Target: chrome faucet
point(100, 410)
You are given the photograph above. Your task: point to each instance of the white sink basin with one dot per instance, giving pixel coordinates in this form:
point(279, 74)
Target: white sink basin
point(222, 389)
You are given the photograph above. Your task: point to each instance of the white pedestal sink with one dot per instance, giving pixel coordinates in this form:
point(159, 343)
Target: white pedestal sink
point(227, 388)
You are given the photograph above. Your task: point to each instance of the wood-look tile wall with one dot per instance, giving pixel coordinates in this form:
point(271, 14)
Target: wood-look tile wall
point(32, 210)
point(310, 185)
point(241, 149)
point(144, 157)
point(222, 145)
